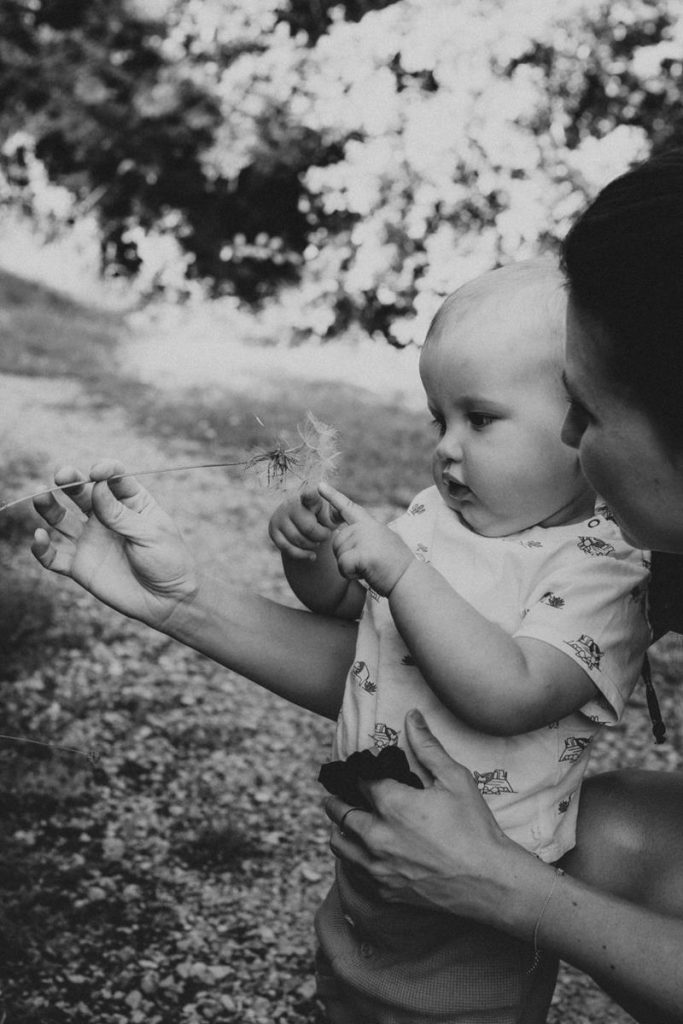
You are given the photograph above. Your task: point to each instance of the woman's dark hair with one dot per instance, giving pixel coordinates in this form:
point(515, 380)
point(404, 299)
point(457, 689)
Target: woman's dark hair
point(623, 259)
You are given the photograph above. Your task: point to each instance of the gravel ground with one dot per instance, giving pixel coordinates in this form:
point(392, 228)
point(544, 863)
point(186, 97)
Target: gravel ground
point(182, 887)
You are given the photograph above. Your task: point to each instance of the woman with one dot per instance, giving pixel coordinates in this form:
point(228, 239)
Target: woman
point(624, 368)
point(624, 262)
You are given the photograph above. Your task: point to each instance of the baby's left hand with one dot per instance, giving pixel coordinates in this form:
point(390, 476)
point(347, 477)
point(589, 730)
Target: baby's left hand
point(365, 549)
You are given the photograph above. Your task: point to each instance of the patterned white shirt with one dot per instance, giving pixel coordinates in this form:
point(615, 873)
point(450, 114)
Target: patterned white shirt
point(579, 588)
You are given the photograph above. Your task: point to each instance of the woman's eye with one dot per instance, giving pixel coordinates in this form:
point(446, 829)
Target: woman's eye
point(480, 420)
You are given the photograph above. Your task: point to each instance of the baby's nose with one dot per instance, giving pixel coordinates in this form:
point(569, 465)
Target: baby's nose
point(449, 448)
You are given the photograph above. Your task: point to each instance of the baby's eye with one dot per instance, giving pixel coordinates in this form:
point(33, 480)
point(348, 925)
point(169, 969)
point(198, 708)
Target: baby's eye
point(479, 420)
point(439, 425)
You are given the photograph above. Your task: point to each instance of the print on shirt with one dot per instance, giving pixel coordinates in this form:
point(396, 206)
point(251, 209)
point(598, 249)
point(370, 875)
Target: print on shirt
point(493, 783)
point(360, 673)
point(552, 600)
point(531, 543)
point(384, 736)
point(421, 552)
point(574, 747)
point(586, 650)
point(417, 509)
point(594, 546)
point(563, 805)
point(408, 659)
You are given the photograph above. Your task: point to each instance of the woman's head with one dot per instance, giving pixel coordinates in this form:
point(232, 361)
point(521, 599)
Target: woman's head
point(624, 264)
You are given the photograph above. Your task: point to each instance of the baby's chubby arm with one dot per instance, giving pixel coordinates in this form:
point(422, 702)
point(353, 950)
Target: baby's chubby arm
point(302, 529)
point(492, 681)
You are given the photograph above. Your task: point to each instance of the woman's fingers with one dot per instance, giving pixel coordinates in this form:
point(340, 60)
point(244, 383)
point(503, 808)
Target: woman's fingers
point(431, 753)
point(346, 839)
point(124, 487)
point(347, 818)
point(59, 516)
point(120, 502)
point(49, 555)
point(80, 492)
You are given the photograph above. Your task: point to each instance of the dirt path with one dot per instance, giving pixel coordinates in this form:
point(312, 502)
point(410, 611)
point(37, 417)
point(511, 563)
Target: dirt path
point(45, 422)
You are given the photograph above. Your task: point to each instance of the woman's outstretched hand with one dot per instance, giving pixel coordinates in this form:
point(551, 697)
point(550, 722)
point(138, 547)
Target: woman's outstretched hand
point(439, 846)
point(117, 543)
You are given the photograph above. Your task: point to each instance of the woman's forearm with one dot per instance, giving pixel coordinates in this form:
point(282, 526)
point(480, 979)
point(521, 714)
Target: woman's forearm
point(626, 948)
point(298, 655)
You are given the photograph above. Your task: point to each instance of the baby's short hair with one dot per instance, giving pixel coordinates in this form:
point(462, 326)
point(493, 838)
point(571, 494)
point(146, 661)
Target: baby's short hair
point(514, 283)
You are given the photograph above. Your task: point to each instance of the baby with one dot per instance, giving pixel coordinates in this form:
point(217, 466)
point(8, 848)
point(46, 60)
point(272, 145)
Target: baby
point(505, 605)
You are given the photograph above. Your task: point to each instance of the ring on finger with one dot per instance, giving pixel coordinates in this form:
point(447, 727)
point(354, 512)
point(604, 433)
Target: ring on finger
point(344, 817)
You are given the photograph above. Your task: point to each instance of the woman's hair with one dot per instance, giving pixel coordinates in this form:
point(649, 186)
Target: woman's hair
point(623, 259)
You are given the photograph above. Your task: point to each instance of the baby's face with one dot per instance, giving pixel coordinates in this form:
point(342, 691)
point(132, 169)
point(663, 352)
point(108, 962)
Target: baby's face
point(492, 375)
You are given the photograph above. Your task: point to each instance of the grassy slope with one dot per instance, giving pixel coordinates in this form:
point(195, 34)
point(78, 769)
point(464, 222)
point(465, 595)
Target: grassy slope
point(177, 884)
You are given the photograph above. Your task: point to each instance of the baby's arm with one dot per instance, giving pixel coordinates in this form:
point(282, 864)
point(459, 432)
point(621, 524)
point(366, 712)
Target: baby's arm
point(492, 681)
point(302, 529)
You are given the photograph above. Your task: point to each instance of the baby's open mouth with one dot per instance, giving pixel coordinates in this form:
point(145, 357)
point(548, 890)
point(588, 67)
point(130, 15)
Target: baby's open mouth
point(456, 489)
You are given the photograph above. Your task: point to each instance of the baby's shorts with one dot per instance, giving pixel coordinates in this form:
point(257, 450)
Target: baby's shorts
point(387, 963)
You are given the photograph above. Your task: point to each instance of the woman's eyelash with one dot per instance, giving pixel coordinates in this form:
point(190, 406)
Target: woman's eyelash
point(576, 406)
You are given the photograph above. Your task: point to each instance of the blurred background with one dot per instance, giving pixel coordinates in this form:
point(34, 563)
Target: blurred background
point(213, 217)
point(329, 166)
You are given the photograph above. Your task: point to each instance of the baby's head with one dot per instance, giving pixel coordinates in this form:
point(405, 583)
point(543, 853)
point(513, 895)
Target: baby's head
point(492, 370)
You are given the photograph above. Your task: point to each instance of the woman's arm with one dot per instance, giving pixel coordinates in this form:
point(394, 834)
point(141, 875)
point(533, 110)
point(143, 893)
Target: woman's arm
point(122, 547)
point(442, 846)
point(298, 655)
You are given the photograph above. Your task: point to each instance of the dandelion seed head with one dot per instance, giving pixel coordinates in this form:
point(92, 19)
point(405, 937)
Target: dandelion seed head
point(302, 465)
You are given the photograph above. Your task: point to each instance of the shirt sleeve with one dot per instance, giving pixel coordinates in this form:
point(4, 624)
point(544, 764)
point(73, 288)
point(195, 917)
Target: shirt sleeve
point(591, 604)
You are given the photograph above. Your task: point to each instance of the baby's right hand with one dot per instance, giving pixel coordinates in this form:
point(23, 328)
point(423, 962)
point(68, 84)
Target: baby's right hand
point(301, 524)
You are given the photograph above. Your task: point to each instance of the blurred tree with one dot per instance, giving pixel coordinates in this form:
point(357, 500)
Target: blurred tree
point(369, 155)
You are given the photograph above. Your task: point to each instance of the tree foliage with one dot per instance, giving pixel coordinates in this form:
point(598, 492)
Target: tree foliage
point(366, 157)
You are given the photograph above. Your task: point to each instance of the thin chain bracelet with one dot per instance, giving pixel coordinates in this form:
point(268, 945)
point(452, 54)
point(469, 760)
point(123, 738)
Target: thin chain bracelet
point(537, 953)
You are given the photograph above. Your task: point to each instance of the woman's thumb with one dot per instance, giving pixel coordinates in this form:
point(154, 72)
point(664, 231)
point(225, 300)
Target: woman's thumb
point(113, 514)
point(427, 748)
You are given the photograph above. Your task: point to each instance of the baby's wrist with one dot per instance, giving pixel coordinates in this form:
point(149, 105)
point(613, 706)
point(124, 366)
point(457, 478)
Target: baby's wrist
point(400, 574)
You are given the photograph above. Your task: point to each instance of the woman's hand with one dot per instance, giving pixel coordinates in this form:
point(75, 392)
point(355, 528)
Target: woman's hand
point(438, 846)
point(117, 543)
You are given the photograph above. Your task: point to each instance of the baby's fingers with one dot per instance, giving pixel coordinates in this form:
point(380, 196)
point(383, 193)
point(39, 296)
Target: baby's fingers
point(290, 541)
